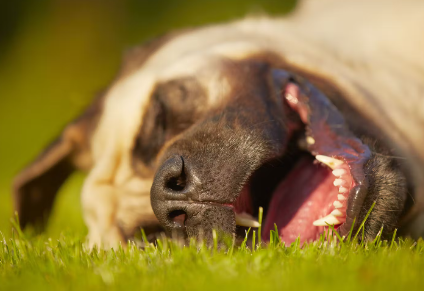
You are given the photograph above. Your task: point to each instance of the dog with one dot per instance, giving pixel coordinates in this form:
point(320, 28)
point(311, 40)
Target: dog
point(317, 117)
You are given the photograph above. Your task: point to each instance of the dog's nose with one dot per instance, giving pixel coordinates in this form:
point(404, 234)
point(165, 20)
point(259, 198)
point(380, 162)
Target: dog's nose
point(175, 201)
point(173, 180)
point(173, 188)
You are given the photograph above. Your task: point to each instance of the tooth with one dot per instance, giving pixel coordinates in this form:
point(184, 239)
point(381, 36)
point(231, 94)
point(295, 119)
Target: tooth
point(337, 204)
point(339, 182)
point(291, 99)
point(330, 219)
point(341, 197)
point(331, 162)
point(337, 212)
point(310, 140)
point(339, 172)
point(247, 220)
point(342, 189)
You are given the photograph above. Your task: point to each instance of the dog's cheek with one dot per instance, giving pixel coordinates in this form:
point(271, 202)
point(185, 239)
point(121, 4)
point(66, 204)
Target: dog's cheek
point(388, 189)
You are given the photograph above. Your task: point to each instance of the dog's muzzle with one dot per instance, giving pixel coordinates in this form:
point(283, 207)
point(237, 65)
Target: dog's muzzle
point(175, 197)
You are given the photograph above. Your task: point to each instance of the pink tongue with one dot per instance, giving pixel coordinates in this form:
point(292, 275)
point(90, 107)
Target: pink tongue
point(304, 196)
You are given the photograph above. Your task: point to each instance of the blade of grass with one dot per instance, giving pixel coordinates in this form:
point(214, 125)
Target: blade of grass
point(349, 237)
point(376, 241)
point(243, 244)
point(16, 225)
point(393, 238)
point(337, 234)
point(253, 241)
point(363, 222)
point(215, 240)
point(261, 212)
point(144, 237)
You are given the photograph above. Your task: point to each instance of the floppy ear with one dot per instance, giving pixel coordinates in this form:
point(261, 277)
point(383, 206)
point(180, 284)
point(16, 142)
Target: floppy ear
point(35, 188)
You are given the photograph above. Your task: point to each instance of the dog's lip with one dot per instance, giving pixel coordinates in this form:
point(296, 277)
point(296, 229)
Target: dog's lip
point(355, 196)
point(330, 136)
point(190, 201)
point(191, 209)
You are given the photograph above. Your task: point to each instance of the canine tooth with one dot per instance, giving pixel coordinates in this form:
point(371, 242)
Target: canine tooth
point(342, 189)
point(337, 204)
point(331, 162)
point(337, 212)
point(339, 182)
point(247, 220)
point(330, 219)
point(339, 172)
point(341, 197)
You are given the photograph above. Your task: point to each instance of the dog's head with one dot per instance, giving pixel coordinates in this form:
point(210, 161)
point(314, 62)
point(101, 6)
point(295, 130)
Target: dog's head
point(219, 122)
point(270, 139)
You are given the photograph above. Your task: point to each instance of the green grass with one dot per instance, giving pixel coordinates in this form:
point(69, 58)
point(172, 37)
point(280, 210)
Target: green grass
point(66, 264)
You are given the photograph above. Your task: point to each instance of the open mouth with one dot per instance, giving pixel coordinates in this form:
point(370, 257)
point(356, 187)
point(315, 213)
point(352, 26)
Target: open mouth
point(315, 179)
point(319, 181)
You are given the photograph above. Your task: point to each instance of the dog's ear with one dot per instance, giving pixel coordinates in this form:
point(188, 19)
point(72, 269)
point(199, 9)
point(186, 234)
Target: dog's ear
point(35, 188)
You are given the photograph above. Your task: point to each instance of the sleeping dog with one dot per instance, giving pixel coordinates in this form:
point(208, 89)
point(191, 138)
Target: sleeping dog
point(314, 117)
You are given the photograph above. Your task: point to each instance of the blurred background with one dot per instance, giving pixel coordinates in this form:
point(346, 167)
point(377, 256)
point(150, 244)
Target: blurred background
point(56, 54)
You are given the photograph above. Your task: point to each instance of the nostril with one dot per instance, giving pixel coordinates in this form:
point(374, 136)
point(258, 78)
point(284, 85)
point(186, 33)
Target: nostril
point(178, 217)
point(177, 183)
point(171, 191)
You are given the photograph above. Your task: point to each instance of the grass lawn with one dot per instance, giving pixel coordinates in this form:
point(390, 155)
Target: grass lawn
point(64, 263)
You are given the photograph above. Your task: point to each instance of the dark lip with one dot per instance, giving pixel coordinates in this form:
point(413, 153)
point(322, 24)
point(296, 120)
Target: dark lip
point(210, 203)
point(355, 201)
point(188, 207)
point(356, 198)
point(344, 146)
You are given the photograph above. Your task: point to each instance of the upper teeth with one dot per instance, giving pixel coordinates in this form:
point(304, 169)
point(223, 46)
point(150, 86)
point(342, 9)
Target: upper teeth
point(341, 197)
point(337, 204)
point(340, 182)
point(245, 219)
point(331, 162)
point(330, 219)
point(343, 189)
point(337, 212)
point(339, 172)
point(337, 215)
